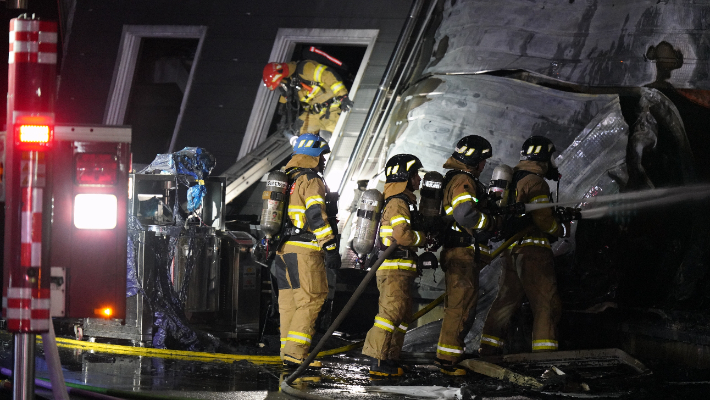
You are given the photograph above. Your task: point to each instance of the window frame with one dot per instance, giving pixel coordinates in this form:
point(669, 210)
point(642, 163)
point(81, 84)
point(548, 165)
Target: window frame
point(286, 39)
point(124, 70)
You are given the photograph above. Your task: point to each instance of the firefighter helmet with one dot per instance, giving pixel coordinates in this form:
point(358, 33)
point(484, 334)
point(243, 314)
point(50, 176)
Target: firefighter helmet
point(399, 168)
point(274, 73)
point(537, 148)
point(472, 149)
point(310, 145)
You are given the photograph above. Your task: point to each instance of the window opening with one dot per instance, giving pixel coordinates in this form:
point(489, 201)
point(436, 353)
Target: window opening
point(351, 56)
point(159, 82)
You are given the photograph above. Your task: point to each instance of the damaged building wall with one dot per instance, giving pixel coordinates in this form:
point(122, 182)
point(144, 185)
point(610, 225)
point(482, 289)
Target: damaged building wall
point(590, 42)
point(603, 89)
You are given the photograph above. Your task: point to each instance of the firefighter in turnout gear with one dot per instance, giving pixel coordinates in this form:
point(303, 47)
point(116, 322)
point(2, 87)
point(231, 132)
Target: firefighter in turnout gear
point(311, 91)
point(528, 267)
point(309, 248)
point(462, 253)
point(396, 275)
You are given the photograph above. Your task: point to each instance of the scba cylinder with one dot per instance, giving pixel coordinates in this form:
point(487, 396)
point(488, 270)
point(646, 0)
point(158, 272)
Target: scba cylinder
point(432, 193)
point(274, 198)
point(366, 221)
point(500, 182)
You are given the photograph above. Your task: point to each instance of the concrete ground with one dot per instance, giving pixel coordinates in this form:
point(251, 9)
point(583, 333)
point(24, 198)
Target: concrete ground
point(129, 372)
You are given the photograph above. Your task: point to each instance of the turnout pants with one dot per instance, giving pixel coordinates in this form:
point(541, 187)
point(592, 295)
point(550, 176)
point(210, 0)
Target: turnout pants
point(384, 340)
point(303, 288)
point(314, 123)
point(529, 271)
point(461, 277)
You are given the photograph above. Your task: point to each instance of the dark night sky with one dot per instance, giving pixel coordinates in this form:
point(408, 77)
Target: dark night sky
point(43, 9)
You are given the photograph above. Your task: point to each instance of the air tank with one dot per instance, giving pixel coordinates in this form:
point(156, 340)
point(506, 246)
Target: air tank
point(500, 182)
point(432, 194)
point(274, 198)
point(366, 221)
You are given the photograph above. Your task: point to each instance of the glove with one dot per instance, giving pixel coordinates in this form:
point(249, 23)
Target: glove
point(345, 103)
point(567, 214)
point(332, 255)
point(512, 209)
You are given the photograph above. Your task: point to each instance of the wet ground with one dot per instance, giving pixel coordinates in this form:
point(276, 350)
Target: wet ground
point(121, 374)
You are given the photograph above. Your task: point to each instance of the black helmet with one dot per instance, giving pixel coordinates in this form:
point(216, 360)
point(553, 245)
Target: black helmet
point(400, 167)
point(537, 148)
point(472, 149)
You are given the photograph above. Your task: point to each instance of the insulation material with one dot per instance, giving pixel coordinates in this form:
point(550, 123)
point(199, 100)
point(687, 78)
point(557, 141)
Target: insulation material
point(588, 130)
point(504, 111)
point(423, 392)
point(594, 42)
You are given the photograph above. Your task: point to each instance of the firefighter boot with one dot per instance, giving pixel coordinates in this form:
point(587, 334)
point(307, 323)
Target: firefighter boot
point(385, 368)
point(449, 367)
point(291, 362)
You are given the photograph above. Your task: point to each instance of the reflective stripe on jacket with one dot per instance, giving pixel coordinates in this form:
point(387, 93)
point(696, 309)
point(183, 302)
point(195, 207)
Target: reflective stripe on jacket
point(460, 202)
point(327, 83)
point(306, 209)
point(532, 188)
point(396, 223)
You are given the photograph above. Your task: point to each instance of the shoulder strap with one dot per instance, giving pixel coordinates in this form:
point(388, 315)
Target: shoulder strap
point(517, 177)
point(299, 71)
point(299, 172)
point(401, 196)
point(451, 174)
point(299, 67)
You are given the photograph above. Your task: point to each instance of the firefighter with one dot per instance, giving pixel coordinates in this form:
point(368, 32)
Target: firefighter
point(396, 274)
point(312, 91)
point(310, 247)
point(528, 268)
point(461, 256)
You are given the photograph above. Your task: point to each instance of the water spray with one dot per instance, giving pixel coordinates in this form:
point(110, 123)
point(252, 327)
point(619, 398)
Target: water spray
point(643, 199)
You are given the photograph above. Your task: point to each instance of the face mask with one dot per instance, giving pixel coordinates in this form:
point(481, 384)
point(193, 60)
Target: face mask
point(552, 173)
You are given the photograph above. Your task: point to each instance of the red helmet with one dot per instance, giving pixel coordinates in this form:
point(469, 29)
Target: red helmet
point(273, 74)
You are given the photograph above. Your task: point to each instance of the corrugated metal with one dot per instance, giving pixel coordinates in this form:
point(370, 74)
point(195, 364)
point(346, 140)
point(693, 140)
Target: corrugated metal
point(437, 112)
point(594, 42)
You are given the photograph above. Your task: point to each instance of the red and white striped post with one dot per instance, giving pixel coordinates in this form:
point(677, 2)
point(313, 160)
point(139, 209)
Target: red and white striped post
point(32, 79)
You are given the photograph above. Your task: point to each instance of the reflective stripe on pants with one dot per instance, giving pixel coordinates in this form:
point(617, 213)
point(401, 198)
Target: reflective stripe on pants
point(384, 340)
point(303, 288)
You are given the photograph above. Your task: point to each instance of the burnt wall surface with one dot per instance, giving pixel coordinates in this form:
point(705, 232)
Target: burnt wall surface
point(240, 36)
point(664, 43)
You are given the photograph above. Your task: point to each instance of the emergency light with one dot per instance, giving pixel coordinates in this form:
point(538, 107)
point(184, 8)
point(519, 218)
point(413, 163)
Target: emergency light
point(95, 211)
point(33, 137)
point(33, 132)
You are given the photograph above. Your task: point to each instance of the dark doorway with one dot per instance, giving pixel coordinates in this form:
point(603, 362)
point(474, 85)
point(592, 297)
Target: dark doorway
point(351, 57)
point(159, 82)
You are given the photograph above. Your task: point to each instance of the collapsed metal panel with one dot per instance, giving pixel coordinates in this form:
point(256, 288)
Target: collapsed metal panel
point(595, 42)
point(437, 112)
point(589, 130)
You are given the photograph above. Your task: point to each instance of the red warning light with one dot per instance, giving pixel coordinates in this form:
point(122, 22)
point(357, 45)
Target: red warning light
point(34, 133)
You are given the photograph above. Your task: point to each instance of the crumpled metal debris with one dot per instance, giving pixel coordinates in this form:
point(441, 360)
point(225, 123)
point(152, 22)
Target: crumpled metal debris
point(424, 392)
point(596, 43)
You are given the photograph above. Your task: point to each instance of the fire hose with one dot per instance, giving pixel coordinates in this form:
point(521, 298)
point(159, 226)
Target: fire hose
point(285, 385)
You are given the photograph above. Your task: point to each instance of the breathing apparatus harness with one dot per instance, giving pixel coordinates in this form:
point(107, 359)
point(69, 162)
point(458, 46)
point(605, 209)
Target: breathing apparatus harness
point(416, 219)
point(461, 238)
point(289, 232)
